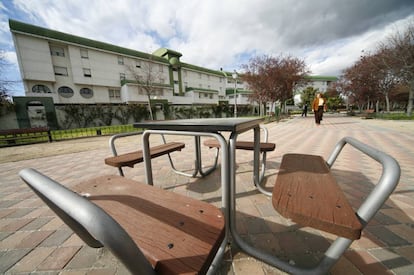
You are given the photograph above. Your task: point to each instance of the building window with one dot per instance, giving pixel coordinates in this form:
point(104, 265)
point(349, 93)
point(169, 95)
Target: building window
point(84, 53)
point(138, 63)
point(87, 72)
point(57, 51)
point(86, 92)
point(120, 60)
point(161, 68)
point(41, 89)
point(122, 76)
point(60, 70)
point(65, 91)
point(114, 94)
point(199, 75)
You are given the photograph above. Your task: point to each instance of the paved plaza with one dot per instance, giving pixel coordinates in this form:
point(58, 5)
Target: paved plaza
point(33, 240)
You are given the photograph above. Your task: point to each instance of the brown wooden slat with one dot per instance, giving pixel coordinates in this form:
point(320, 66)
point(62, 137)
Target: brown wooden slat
point(243, 145)
point(177, 234)
point(306, 192)
point(130, 159)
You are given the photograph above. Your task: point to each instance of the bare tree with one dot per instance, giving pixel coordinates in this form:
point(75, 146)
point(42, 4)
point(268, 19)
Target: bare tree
point(400, 58)
point(360, 83)
point(5, 84)
point(148, 79)
point(383, 78)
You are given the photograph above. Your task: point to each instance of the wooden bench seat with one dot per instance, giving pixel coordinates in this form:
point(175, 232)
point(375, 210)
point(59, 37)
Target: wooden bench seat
point(132, 158)
point(243, 145)
point(145, 227)
point(307, 193)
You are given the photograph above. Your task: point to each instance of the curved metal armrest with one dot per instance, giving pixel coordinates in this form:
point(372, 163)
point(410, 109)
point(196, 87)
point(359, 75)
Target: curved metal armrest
point(386, 184)
point(92, 224)
point(265, 132)
point(117, 136)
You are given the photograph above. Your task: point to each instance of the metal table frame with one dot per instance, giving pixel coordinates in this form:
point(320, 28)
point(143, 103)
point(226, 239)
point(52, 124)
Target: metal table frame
point(209, 128)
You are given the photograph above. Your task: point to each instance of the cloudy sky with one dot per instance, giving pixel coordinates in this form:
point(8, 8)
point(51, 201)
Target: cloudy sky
point(328, 34)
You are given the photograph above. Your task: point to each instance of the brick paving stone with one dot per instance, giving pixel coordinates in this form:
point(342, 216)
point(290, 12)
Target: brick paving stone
point(366, 263)
point(33, 239)
point(13, 240)
point(36, 224)
point(20, 212)
point(57, 238)
point(10, 257)
point(58, 259)
point(387, 236)
point(390, 259)
point(32, 260)
point(85, 258)
point(407, 252)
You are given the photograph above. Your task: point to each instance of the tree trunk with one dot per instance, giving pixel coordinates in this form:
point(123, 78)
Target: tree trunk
point(387, 102)
point(410, 99)
point(149, 107)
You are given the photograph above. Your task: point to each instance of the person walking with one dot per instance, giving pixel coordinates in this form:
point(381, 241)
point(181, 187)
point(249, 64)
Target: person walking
point(318, 107)
point(305, 110)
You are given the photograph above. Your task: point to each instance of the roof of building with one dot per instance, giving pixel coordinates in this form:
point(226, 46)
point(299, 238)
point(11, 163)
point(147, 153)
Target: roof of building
point(160, 55)
point(20, 27)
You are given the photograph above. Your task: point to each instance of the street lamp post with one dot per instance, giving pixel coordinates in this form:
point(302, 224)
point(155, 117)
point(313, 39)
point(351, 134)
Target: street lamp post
point(235, 93)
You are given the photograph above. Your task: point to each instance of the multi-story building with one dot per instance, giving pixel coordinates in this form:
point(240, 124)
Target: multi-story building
point(72, 69)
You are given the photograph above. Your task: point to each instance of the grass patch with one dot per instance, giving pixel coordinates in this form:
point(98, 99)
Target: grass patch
point(394, 116)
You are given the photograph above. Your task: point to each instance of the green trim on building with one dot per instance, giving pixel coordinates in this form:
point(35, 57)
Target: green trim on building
point(158, 101)
point(189, 89)
point(20, 27)
point(157, 85)
point(321, 77)
point(230, 91)
point(180, 82)
point(167, 53)
point(205, 70)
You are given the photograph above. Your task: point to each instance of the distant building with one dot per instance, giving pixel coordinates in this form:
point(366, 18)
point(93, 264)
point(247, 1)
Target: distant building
point(317, 82)
point(321, 83)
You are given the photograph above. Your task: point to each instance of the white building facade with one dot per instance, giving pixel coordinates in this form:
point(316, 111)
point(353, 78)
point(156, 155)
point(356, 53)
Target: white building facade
point(76, 70)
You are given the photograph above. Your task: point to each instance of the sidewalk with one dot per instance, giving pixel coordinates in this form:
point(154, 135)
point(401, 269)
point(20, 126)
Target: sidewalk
point(33, 240)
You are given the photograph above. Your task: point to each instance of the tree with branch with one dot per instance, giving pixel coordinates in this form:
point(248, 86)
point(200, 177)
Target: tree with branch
point(399, 58)
point(5, 84)
point(147, 79)
point(273, 78)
